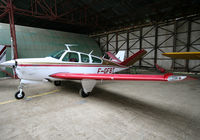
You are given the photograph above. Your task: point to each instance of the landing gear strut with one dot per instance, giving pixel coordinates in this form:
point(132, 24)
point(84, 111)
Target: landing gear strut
point(83, 94)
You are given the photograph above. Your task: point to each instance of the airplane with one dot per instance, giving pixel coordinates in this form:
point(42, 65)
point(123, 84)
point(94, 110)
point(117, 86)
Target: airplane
point(73, 65)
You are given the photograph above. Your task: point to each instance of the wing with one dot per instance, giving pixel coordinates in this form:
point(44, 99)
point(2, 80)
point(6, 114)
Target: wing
point(183, 55)
point(80, 76)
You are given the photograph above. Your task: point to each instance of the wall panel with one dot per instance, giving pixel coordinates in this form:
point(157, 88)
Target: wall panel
point(175, 36)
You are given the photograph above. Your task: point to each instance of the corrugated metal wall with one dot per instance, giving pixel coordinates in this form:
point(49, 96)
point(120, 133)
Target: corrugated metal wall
point(177, 36)
point(36, 42)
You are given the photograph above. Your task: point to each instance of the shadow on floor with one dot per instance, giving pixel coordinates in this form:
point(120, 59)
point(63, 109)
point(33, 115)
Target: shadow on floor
point(162, 115)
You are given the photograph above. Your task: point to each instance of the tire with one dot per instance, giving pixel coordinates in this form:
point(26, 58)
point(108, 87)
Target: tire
point(18, 96)
point(83, 94)
point(57, 83)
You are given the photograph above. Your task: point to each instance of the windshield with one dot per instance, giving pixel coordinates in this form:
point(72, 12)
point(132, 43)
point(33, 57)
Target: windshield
point(57, 54)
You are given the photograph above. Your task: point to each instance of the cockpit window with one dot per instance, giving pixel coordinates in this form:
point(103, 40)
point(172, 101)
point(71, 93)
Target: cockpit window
point(71, 57)
point(85, 58)
point(96, 60)
point(57, 55)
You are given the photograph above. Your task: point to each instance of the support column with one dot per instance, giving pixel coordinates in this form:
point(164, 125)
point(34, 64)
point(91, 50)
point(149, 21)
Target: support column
point(107, 43)
point(188, 45)
point(128, 47)
point(156, 45)
point(174, 44)
point(141, 37)
point(116, 49)
point(12, 28)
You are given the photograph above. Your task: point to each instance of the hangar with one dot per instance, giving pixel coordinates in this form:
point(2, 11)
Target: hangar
point(116, 109)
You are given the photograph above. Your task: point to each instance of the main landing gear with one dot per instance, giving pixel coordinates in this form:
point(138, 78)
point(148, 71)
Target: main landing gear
point(57, 83)
point(83, 94)
point(87, 87)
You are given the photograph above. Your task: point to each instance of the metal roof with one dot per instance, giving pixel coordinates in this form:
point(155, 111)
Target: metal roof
point(94, 16)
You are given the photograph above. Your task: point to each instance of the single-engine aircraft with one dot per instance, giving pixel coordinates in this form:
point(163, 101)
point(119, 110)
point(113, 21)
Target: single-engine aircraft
point(73, 65)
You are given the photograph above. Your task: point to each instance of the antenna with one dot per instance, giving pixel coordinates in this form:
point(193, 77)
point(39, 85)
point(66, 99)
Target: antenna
point(69, 45)
point(91, 52)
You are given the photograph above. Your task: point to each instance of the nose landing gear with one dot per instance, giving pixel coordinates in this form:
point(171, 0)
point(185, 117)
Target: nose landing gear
point(19, 95)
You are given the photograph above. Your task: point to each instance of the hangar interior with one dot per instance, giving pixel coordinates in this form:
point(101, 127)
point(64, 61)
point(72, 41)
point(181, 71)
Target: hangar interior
point(178, 35)
point(140, 110)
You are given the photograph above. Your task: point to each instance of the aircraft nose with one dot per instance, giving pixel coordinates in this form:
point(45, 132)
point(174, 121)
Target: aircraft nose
point(9, 63)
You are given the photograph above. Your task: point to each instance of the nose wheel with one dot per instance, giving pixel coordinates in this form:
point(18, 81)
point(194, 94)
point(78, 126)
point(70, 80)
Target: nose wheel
point(19, 95)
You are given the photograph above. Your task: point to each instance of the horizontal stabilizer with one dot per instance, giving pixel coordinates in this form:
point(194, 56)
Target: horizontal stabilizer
point(80, 76)
point(134, 58)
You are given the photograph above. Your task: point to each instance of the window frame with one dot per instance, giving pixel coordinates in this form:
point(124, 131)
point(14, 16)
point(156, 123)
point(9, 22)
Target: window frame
point(70, 61)
point(86, 55)
point(96, 58)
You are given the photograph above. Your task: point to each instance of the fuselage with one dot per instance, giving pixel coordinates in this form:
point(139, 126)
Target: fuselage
point(64, 61)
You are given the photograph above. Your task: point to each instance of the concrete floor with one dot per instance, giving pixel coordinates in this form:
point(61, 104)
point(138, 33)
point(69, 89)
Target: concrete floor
point(117, 110)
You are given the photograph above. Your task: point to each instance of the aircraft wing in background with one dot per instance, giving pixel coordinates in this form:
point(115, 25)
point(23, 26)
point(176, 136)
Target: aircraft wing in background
point(183, 55)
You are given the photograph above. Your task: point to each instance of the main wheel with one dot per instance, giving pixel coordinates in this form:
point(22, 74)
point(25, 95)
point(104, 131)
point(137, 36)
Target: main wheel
point(19, 95)
point(57, 83)
point(83, 94)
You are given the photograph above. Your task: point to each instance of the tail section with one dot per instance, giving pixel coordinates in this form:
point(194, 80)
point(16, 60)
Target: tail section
point(134, 58)
point(119, 57)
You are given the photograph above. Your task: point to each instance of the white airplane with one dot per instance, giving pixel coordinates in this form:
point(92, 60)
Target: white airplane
point(73, 65)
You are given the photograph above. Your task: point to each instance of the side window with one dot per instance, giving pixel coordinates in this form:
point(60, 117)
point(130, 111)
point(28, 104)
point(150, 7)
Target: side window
point(96, 60)
point(71, 57)
point(57, 55)
point(85, 58)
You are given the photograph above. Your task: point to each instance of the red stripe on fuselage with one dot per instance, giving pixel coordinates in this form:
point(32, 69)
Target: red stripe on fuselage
point(56, 65)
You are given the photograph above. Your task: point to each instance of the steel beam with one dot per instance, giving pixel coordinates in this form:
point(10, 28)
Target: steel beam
point(107, 43)
point(174, 44)
point(12, 28)
point(4, 13)
point(188, 44)
point(156, 45)
point(116, 49)
point(128, 47)
point(141, 37)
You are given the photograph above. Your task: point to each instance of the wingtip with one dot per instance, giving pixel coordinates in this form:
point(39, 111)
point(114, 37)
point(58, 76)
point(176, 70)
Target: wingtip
point(176, 78)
